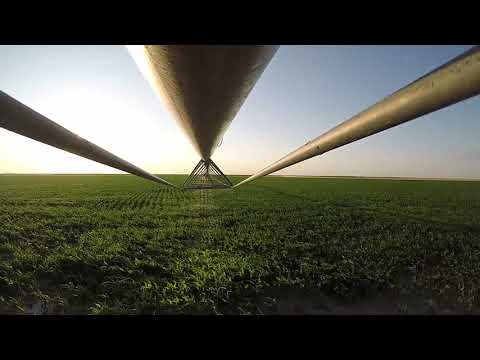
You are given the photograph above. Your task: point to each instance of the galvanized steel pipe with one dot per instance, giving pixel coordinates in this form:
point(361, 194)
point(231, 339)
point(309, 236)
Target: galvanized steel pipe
point(20, 119)
point(457, 80)
point(203, 86)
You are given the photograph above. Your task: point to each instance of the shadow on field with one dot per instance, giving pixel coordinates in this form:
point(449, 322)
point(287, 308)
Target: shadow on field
point(296, 301)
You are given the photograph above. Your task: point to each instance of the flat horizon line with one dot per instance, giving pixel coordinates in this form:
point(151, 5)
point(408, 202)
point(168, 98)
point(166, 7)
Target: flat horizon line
point(293, 176)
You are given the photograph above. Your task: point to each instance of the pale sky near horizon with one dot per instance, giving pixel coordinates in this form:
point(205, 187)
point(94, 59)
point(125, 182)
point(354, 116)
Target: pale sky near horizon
point(99, 93)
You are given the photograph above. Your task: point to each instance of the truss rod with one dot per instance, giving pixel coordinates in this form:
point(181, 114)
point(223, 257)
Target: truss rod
point(197, 172)
point(187, 180)
point(221, 174)
point(206, 175)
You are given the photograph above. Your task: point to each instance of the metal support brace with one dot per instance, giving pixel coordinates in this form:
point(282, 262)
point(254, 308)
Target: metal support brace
point(207, 175)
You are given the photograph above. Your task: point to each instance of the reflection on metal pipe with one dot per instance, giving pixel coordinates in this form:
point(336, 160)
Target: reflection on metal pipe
point(457, 80)
point(20, 119)
point(203, 86)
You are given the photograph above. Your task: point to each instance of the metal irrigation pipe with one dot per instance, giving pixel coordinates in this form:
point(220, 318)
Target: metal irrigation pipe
point(20, 119)
point(457, 80)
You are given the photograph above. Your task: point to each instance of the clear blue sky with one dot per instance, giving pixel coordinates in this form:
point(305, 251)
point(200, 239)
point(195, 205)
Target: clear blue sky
point(99, 93)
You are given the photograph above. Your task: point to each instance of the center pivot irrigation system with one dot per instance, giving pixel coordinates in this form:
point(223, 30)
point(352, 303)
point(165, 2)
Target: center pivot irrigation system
point(205, 86)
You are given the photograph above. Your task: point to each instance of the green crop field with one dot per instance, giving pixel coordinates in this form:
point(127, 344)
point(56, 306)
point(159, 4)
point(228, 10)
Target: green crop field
point(117, 244)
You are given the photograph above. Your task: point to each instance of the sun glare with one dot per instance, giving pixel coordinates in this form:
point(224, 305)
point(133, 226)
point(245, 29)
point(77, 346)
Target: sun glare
point(112, 123)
